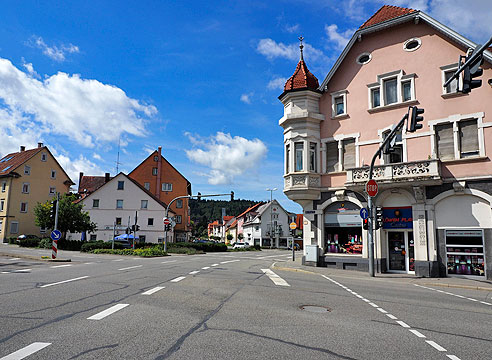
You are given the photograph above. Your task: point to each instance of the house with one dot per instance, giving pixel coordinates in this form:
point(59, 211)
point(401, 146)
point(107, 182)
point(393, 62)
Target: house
point(268, 225)
point(435, 189)
point(217, 228)
point(166, 183)
point(235, 228)
point(116, 203)
point(28, 177)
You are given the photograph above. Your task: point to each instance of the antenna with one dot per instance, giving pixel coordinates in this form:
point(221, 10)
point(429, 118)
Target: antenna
point(118, 158)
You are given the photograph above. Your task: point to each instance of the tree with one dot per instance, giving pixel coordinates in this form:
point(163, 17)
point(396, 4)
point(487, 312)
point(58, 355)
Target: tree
point(240, 237)
point(229, 237)
point(71, 216)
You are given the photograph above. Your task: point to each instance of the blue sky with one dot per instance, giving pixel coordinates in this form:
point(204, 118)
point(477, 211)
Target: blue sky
point(200, 79)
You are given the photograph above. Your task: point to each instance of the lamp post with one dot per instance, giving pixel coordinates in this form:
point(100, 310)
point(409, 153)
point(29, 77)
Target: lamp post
point(271, 215)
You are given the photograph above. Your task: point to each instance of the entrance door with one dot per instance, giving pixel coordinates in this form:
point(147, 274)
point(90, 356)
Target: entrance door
point(401, 251)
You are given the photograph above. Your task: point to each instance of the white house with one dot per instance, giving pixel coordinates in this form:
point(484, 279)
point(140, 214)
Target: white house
point(118, 201)
point(258, 224)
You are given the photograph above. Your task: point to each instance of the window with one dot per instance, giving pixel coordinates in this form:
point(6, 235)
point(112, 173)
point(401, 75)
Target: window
point(154, 171)
point(406, 90)
point(332, 156)
point(44, 157)
point(339, 106)
point(95, 203)
point(375, 98)
point(53, 174)
point(339, 103)
point(1, 226)
point(391, 89)
point(179, 203)
point(178, 219)
point(93, 237)
point(150, 221)
point(27, 170)
point(412, 44)
point(119, 204)
point(147, 186)
point(118, 221)
point(167, 187)
point(52, 190)
point(2, 205)
point(348, 153)
point(144, 204)
point(396, 153)
point(121, 185)
point(141, 238)
point(299, 149)
point(287, 158)
point(23, 207)
point(14, 227)
point(312, 157)
point(156, 158)
point(364, 58)
point(468, 138)
point(390, 92)
point(445, 142)
point(452, 87)
point(4, 186)
point(25, 188)
point(447, 72)
point(465, 252)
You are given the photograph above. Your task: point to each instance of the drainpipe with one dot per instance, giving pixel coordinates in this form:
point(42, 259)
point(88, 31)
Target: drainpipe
point(158, 179)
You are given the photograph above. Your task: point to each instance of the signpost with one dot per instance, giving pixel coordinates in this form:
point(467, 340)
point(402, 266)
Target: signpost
point(364, 213)
point(372, 188)
point(293, 226)
point(55, 236)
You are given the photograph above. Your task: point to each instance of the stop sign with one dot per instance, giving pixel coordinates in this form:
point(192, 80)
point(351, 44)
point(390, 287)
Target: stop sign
point(166, 221)
point(372, 188)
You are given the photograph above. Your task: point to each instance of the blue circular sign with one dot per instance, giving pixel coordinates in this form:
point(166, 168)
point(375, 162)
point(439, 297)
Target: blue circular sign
point(364, 214)
point(55, 235)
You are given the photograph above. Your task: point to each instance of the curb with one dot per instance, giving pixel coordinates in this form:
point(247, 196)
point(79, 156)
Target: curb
point(293, 270)
point(31, 257)
point(460, 286)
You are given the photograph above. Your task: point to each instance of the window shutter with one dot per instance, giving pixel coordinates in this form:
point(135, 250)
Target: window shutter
point(468, 137)
point(348, 154)
point(445, 143)
point(331, 156)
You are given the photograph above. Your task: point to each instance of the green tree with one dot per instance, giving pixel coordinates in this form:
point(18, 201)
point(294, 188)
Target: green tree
point(240, 237)
point(71, 216)
point(229, 237)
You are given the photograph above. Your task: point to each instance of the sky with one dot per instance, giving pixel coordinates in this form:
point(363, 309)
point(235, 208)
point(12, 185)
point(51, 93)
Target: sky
point(199, 78)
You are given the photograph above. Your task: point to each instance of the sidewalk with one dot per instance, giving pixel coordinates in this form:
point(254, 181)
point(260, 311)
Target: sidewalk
point(451, 282)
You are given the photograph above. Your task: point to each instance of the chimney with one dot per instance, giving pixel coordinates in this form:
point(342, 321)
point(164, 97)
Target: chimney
point(158, 179)
point(106, 177)
point(22, 148)
point(40, 144)
point(81, 175)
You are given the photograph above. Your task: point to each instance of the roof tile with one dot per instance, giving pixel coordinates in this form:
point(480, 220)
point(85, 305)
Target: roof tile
point(387, 12)
point(12, 161)
point(301, 79)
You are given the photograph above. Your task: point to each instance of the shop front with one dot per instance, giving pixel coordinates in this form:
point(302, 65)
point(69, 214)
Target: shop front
point(465, 252)
point(398, 225)
point(343, 229)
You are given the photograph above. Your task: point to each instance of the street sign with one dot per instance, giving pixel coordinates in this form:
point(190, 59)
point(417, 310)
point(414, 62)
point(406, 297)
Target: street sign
point(292, 225)
point(371, 188)
point(364, 213)
point(166, 221)
point(55, 235)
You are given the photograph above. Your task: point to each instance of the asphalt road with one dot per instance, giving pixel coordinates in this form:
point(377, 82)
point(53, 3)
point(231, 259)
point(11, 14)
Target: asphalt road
point(229, 306)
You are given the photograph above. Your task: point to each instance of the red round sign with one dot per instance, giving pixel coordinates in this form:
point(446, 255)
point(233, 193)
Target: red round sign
point(166, 221)
point(372, 188)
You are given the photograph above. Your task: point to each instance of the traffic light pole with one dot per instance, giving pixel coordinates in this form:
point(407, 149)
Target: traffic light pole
point(370, 220)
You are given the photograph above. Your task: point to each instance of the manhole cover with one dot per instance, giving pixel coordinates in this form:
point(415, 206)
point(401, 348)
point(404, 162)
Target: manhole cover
point(315, 308)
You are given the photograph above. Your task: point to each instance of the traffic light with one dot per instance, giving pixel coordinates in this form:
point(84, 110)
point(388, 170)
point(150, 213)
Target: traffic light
point(167, 227)
point(471, 71)
point(232, 195)
point(137, 228)
point(199, 196)
point(415, 118)
point(365, 224)
point(379, 217)
point(53, 210)
point(389, 147)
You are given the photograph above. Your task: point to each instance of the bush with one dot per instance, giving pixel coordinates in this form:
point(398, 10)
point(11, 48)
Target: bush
point(183, 250)
point(74, 245)
point(29, 242)
point(92, 245)
point(143, 245)
point(12, 240)
point(46, 243)
point(206, 247)
point(147, 252)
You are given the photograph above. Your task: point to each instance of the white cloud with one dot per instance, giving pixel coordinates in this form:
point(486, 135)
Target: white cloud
point(277, 83)
point(226, 157)
point(292, 28)
point(246, 98)
point(86, 111)
point(97, 156)
point(30, 69)
point(340, 39)
point(271, 49)
point(74, 166)
point(53, 52)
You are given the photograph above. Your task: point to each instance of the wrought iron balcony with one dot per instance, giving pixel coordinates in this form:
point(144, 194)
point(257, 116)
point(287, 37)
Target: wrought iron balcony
point(415, 171)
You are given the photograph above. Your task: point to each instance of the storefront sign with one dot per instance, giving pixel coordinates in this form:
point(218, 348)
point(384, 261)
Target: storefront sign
point(464, 233)
point(397, 218)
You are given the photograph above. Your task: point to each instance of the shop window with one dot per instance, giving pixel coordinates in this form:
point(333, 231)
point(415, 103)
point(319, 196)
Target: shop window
point(465, 252)
point(95, 203)
point(312, 157)
point(299, 150)
point(343, 229)
point(348, 153)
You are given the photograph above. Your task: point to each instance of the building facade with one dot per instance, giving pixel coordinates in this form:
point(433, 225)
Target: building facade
point(435, 187)
point(26, 178)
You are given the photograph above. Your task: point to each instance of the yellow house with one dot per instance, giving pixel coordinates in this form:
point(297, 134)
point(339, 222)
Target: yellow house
point(26, 178)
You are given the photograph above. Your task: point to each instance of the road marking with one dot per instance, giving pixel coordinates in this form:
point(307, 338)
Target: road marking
point(373, 305)
point(59, 266)
point(64, 281)
point(403, 324)
point(89, 263)
point(435, 345)
point(382, 310)
point(107, 312)
point(22, 270)
point(130, 267)
point(277, 280)
point(194, 272)
point(167, 262)
point(178, 279)
point(14, 259)
point(154, 290)
point(215, 264)
point(5, 272)
point(206, 268)
point(392, 317)
point(26, 351)
point(118, 260)
point(453, 357)
point(228, 261)
point(486, 303)
point(416, 332)
point(456, 295)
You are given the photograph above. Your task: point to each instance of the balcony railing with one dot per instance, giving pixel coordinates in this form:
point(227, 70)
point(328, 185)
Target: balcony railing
point(399, 172)
point(302, 181)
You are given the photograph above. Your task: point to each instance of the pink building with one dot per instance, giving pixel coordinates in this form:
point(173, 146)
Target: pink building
point(435, 188)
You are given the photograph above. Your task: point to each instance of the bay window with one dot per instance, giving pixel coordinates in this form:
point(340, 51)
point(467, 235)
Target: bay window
point(299, 150)
point(312, 157)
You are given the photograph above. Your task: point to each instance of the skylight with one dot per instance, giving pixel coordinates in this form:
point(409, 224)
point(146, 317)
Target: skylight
point(6, 159)
point(8, 167)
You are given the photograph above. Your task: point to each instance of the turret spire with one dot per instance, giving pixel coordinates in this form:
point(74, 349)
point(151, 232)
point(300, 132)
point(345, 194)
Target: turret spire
point(301, 47)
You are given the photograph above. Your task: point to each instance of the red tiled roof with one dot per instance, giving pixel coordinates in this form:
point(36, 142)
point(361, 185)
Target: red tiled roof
point(227, 218)
point(387, 12)
point(12, 161)
point(301, 79)
point(90, 184)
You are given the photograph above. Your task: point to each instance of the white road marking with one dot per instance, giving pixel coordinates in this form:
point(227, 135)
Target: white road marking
point(206, 268)
point(393, 317)
point(130, 267)
point(194, 272)
point(178, 279)
point(453, 357)
point(416, 332)
point(64, 281)
point(89, 263)
point(277, 280)
point(167, 262)
point(22, 270)
point(107, 312)
point(215, 264)
point(486, 303)
point(382, 310)
point(26, 351)
point(373, 305)
point(228, 261)
point(403, 324)
point(435, 345)
point(471, 299)
point(154, 290)
point(366, 300)
point(14, 259)
point(59, 266)
point(456, 295)
point(5, 272)
point(118, 260)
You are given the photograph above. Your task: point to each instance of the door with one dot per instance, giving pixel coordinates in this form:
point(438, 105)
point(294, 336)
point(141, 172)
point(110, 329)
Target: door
point(401, 251)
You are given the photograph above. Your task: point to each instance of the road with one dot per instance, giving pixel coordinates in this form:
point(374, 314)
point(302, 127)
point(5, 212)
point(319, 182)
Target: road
point(229, 306)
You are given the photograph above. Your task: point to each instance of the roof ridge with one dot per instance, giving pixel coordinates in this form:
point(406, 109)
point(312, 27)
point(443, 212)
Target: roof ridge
point(396, 11)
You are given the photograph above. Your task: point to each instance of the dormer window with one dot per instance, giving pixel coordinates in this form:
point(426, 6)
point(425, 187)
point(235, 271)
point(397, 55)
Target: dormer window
point(339, 104)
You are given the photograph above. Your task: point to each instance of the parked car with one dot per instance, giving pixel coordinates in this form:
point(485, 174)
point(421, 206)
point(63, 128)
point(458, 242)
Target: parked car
point(22, 237)
point(240, 245)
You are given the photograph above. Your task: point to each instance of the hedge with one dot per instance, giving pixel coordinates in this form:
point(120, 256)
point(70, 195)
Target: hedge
point(147, 252)
point(92, 245)
point(29, 242)
point(206, 247)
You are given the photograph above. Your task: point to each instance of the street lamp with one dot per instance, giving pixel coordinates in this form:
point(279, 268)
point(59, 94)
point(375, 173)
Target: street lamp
point(271, 218)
